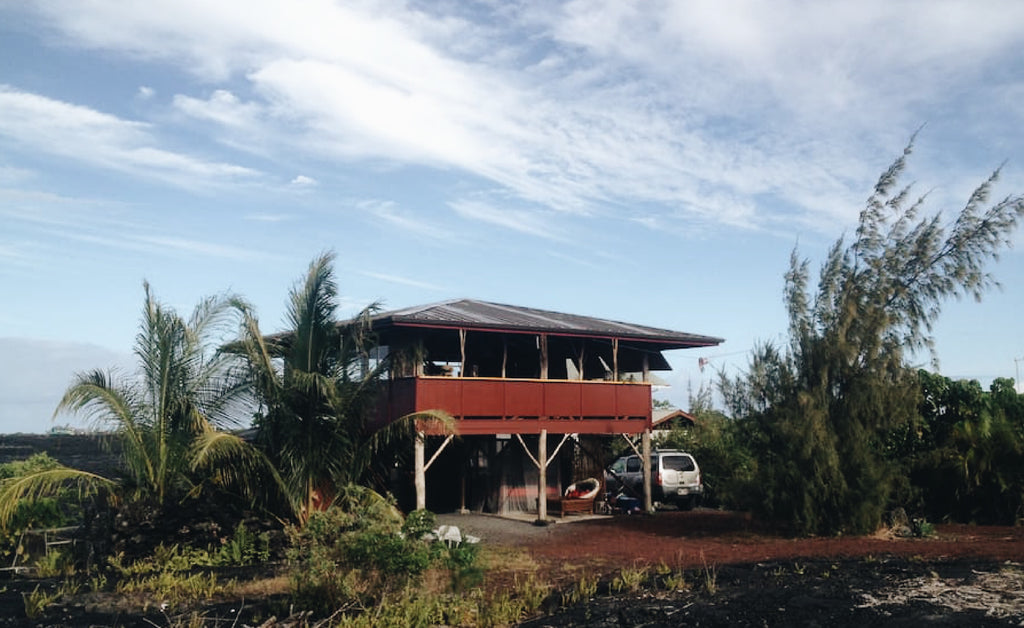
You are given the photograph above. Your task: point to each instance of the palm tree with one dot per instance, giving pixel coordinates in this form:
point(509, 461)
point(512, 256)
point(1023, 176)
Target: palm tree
point(166, 419)
point(317, 386)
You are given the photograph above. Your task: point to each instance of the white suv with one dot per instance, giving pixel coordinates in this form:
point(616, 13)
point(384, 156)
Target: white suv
point(676, 477)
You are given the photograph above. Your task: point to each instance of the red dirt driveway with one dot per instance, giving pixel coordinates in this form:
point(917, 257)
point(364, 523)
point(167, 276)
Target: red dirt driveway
point(687, 540)
point(693, 539)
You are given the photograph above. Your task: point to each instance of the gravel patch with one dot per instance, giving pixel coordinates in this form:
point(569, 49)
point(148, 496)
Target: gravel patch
point(499, 530)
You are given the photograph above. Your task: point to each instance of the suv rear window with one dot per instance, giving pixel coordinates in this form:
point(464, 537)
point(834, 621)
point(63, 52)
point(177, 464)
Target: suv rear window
point(677, 463)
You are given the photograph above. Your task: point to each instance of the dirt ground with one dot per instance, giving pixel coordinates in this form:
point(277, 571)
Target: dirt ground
point(700, 568)
point(738, 575)
point(702, 537)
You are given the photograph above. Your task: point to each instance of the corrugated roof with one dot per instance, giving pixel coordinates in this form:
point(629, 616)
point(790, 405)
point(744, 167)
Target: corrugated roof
point(473, 314)
point(661, 415)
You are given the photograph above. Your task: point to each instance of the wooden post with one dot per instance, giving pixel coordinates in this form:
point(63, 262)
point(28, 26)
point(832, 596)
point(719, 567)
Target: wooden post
point(542, 477)
point(504, 355)
point(420, 474)
point(645, 447)
point(615, 359)
point(543, 341)
point(462, 351)
point(647, 368)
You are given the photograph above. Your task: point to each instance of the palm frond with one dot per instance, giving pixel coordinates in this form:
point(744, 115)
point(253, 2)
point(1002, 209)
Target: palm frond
point(233, 463)
point(100, 397)
point(45, 484)
point(367, 503)
point(311, 315)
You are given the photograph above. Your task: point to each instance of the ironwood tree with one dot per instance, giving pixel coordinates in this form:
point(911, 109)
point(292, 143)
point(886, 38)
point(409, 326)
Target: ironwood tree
point(816, 412)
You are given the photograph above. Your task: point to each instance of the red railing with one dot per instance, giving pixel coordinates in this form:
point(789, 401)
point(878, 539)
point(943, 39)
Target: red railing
point(525, 406)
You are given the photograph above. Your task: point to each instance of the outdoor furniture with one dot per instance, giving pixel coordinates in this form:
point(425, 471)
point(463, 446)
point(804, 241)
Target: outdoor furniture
point(578, 498)
point(570, 505)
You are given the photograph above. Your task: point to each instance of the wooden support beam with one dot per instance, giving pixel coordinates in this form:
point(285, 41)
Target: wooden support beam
point(419, 449)
point(615, 359)
point(437, 453)
point(542, 462)
point(462, 352)
point(632, 445)
point(419, 471)
point(565, 437)
point(527, 449)
point(542, 342)
point(645, 445)
point(542, 477)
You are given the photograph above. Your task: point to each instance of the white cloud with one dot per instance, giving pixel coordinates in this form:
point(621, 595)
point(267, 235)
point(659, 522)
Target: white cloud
point(9, 175)
point(222, 107)
point(516, 220)
point(396, 218)
point(404, 281)
point(303, 181)
point(197, 247)
point(12, 252)
point(48, 223)
point(268, 217)
point(145, 93)
point(84, 134)
point(584, 107)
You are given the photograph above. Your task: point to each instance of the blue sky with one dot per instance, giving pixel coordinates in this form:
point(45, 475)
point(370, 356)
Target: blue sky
point(652, 162)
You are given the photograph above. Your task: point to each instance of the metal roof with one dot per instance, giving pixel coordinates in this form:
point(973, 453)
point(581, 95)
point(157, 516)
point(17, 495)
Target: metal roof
point(660, 416)
point(473, 314)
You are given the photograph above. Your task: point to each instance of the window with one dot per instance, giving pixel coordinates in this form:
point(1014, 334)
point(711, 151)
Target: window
point(677, 463)
point(632, 465)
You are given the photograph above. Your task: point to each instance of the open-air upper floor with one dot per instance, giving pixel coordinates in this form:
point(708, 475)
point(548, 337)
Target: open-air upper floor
point(501, 369)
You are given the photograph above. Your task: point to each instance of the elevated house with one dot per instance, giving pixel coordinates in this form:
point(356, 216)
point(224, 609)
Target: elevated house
point(519, 383)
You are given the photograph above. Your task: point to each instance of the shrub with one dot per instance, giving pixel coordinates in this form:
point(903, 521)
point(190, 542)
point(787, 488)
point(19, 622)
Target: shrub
point(173, 587)
point(53, 564)
point(37, 601)
point(44, 512)
point(361, 555)
point(461, 562)
point(244, 548)
point(419, 522)
point(346, 558)
point(387, 553)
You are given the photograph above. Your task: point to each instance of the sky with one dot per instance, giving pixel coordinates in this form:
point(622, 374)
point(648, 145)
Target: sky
point(643, 161)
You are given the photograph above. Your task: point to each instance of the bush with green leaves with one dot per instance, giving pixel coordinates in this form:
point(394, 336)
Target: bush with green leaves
point(60, 510)
point(964, 455)
point(419, 522)
point(244, 548)
point(461, 562)
point(354, 554)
